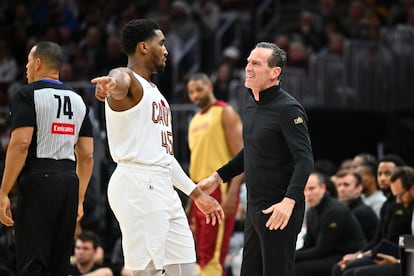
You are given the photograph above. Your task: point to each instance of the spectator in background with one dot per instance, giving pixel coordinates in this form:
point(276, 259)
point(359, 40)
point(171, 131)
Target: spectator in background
point(362, 158)
point(224, 82)
point(335, 47)
point(401, 218)
point(307, 32)
point(386, 166)
point(231, 56)
point(399, 10)
point(391, 265)
point(92, 50)
point(298, 56)
point(22, 29)
point(327, 15)
point(9, 69)
point(182, 23)
point(410, 17)
point(88, 15)
point(208, 12)
point(346, 164)
point(78, 61)
point(207, 15)
point(371, 194)
point(332, 231)
point(113, 56)
point(391, 219)
point(349, 187)
point(67, 74)
point(57, 18)
point(242, 10)
point(227, 77)
point(379, 7)
point(352, 22)
point(282, 40)
point(371, 24)
point(83, 261)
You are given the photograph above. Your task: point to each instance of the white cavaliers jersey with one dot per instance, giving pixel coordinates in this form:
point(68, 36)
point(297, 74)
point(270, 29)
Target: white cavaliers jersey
point(143, 133)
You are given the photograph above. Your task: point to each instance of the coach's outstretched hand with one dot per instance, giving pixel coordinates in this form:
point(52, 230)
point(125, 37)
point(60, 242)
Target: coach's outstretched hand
point(209, 184)
point(208, 205)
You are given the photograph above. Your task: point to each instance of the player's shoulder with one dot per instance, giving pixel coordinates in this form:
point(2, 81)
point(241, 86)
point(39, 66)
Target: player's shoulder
point(221, 103)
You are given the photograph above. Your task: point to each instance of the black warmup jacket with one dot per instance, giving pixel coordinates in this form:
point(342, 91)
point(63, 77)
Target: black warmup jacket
point(365, 216)
point(277, 155)
point(395, 220)
point(332, 230)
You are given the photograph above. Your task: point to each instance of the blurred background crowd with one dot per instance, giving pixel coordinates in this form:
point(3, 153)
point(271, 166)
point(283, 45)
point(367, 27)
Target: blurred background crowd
point(350, 63)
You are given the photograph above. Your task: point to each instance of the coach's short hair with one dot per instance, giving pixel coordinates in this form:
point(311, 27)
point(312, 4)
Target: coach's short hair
point(50, 53)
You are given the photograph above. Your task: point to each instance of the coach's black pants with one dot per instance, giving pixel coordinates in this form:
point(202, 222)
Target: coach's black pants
point(270, 252)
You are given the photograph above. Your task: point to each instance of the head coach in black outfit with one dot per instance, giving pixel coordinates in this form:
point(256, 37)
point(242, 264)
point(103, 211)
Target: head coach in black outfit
point(277, 160)
point(50, 155)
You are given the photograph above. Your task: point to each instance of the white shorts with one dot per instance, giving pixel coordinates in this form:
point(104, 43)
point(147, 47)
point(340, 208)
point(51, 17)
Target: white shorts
point(151, 217)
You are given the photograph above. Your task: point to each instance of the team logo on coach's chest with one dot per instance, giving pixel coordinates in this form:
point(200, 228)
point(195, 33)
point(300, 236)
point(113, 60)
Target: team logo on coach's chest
point(298, 120)
point(160, 113)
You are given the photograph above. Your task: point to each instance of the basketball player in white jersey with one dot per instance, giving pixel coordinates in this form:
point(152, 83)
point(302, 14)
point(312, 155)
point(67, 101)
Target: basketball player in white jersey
point(156, 237)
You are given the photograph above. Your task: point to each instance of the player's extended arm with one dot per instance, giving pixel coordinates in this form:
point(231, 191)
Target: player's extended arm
point(232, 126)
point(116, 84)
point(207, 204)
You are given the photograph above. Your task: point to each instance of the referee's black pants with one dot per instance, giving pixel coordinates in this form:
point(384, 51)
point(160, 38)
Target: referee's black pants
point(46, 218)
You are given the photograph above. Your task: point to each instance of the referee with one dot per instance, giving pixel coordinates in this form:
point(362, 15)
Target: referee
point(50, 157)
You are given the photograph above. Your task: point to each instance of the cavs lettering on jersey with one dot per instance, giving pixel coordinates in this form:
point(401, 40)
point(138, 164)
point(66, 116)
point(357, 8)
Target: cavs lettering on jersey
point(57, 114)
point(148, 123)
point(206, 137)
